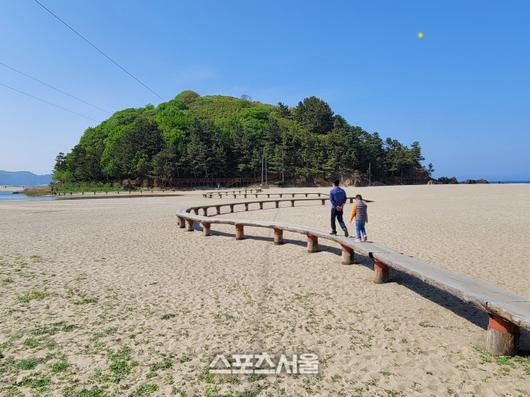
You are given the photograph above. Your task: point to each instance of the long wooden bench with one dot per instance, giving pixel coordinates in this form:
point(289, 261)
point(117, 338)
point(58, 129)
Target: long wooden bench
point(508, 312)
point(260, 203)
point(268, 195)
point(227, 192)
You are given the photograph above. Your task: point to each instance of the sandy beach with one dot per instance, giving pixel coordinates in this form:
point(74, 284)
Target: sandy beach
point(110, 297)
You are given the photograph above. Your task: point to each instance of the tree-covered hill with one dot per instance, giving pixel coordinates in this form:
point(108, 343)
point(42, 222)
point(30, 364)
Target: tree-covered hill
point(194, 136)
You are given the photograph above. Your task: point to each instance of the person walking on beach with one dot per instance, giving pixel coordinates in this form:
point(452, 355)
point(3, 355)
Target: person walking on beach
point(360, 213)
point(337, 197)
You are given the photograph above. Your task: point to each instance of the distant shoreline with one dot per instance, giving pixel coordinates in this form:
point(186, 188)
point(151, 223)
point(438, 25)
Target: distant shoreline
point(5, 188)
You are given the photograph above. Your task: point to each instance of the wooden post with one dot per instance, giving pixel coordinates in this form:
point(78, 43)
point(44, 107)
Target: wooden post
point(312, 243)
point(218, 209)
point(278, 236)
point(292, 203)
point(205, 211)
point(246, 206)
point(189, 223)
point(261, 205)
point(205, 228)
point(277, 204)
point(347, 255)
point(182, 222)
point(381, 272)
point(502, 336)
point(240, 234)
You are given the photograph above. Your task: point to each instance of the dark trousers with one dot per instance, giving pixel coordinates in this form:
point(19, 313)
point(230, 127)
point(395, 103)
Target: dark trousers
point(337, 215)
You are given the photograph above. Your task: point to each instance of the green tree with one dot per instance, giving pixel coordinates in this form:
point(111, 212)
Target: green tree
point(315, 115)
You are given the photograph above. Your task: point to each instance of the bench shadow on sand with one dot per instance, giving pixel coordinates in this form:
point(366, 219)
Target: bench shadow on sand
point(435, 295)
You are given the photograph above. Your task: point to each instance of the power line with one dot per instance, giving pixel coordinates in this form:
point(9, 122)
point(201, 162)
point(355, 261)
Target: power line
point(53, 87)
point(97, 49)
point(46, 102)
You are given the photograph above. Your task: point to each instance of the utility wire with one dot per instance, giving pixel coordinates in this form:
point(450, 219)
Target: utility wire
point(97, 49)
point(46, 102)
point(53, 87)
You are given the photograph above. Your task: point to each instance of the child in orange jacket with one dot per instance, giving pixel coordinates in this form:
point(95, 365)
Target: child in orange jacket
point(360, 213)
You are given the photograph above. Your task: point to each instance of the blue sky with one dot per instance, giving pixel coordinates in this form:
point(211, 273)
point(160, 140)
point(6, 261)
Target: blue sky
point(463, 90)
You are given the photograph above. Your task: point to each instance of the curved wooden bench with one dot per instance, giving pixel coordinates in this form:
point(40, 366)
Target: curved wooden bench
point(508, 312)
point(261, 203)
point(236, 191)
point(268, 195)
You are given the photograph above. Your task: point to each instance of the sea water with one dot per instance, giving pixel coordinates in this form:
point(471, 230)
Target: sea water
point(10, 196)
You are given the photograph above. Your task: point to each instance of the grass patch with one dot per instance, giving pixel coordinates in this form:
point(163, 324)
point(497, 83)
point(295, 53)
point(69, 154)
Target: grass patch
point(54, 328)
point(87, 188)
point(29, 296)
point(184, 359)
point(32, 343)
point(86, 301)
point(59, 367)
point(166, 363)
point(37, 191)
point(121, 364)
point(144, 390)
point(247, 393)
point(167, 316)
point(11, 391)
point(94, 392)
point(27, 364)
point(36, 383)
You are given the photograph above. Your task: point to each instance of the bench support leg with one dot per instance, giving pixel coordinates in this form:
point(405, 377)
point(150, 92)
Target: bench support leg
point(205, 228)
point(182, 222)
point(347, 255)
point(502, 336)
point(381, 272)
point(246, 207)
point(189, 224)
point(261, 205)
point(205, 211)
point(312, 243)
point(278, 236)
point(218, 209)
point(277, 204)
point(240, 234)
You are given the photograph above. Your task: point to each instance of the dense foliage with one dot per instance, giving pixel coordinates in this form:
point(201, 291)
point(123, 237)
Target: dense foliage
point(218, 136)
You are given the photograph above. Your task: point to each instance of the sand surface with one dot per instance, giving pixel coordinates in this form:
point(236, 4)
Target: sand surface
point(109, 297)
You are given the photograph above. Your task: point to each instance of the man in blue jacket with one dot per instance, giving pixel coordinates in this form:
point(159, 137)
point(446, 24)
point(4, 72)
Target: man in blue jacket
point(337, 196)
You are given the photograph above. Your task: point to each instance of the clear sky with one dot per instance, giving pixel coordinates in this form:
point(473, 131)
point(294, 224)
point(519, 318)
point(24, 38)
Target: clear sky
point(463, 90)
